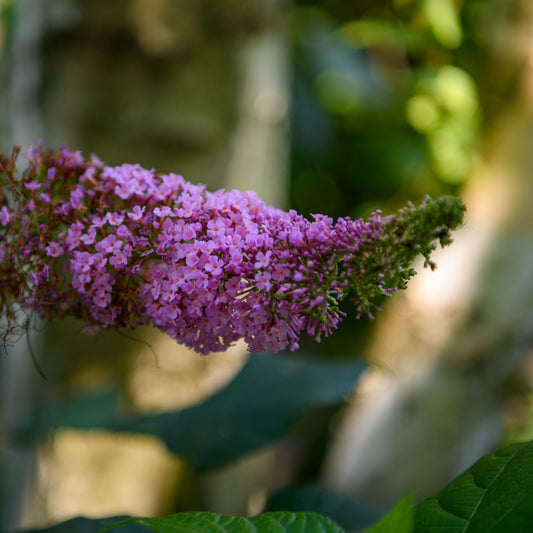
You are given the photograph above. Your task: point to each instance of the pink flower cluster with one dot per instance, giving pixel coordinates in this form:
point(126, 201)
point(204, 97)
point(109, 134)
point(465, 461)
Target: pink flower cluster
point(124, 246)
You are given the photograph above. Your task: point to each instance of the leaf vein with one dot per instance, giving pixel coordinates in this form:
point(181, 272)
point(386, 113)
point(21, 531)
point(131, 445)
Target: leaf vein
point(504, 465)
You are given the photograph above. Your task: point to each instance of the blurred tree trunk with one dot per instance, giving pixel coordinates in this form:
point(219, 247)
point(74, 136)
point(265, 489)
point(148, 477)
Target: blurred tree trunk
point(199, 88)
point(20, 383)
point(447, 349)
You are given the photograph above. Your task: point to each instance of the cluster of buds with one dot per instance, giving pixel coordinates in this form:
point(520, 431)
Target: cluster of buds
point(125, 246)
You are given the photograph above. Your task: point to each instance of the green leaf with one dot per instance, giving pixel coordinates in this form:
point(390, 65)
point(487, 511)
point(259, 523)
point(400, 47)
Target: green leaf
point(494, 496)
point(399, 520)
point(203, 522)
point(257, 408)
point(349, 514)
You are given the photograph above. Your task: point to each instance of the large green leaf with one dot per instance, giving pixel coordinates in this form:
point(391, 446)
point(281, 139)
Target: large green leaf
point(494, 496)
point(203, 522)
point(257, 408)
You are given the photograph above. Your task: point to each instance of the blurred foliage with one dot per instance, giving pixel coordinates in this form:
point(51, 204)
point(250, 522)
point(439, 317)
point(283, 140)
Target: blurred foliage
point(386, 107)
point(224, 428)
point(6, 23)
point(385, 102)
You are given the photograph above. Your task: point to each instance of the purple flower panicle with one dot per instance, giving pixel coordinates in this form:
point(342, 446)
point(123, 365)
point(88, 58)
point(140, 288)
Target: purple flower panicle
point(125, 246)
